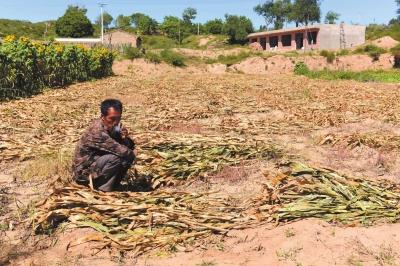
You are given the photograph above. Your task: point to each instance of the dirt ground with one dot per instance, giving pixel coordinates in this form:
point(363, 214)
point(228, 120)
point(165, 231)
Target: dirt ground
point(284, 64)
point(347, 126)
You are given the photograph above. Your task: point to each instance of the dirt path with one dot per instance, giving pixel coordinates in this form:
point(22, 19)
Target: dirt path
point(327, 123)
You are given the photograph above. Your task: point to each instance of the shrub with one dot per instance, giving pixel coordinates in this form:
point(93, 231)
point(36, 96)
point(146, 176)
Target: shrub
point(153, 57)
point(301, 68)
point(130, 52)
point(172, 58)
point(157, 42)
point(396, 53)
point(343, 52)
point(231, 59)
point(329, 55)
point(372, 50)
point(26, 66)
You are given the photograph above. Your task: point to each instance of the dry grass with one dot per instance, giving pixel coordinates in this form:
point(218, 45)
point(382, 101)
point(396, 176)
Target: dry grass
point(47, 167)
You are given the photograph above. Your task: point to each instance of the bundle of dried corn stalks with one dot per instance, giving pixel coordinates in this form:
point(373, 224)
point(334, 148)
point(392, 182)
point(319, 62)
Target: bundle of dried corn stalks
point(305, 192)
point(171, 160)
point(140, 221)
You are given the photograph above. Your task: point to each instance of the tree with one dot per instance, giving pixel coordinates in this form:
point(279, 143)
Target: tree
point(306, 11)
point(398, 10)
point(107, 20)
point(123, 22)
point(188, 15)
point(174, 28)
point(237, 28)
point(74, 23)
point(275, 12)
point(144, 24)
point(331, 17)
point(394, 21)
point(215, 26)
point(266, 10)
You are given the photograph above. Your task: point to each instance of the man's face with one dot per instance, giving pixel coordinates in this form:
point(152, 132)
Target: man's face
point(112, 118)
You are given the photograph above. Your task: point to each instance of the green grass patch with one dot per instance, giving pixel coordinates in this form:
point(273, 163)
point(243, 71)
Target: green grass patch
point(329, 55)
point(152, 57)
point(389, 76)
point(129, 52)
point(233, 58)
point(173, 58)
point(158, 42)
point(372, 50)
point(375, 31)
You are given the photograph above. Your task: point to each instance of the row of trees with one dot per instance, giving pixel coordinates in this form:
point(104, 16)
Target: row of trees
point(74, 23)
point(236, 27)
point(301, 12)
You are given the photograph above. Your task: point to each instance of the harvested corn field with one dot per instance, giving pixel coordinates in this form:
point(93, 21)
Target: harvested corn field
point(211, 149)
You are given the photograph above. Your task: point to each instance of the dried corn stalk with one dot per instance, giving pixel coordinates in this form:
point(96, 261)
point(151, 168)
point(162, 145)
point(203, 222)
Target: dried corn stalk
point(306, 192)
point(139, 221)
point(169, 161)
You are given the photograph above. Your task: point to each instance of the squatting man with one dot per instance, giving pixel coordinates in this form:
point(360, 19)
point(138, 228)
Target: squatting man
point(105, 151)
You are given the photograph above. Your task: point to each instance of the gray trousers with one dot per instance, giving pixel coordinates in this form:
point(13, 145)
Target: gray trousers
point(112, 170)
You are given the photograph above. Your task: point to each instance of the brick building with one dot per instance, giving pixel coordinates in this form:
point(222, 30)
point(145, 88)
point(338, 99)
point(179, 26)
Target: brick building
point(320, 36)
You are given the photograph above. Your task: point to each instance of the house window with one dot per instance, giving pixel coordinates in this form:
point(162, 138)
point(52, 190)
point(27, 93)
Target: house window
point(273, 41)
point(254, 40)
point(287, 40)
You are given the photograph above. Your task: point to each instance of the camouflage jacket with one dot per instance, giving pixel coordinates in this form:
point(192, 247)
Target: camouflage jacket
point(95, 142)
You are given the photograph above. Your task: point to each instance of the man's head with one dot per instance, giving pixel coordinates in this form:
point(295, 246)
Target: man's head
point(111, 111)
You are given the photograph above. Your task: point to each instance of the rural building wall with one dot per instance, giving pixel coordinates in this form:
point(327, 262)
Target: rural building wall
point(326, 37)
point(330, 36)
point(120, 38)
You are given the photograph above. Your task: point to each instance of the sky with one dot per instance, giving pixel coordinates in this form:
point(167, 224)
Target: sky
point(352, 11)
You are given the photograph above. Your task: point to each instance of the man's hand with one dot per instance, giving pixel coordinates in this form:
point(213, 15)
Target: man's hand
point(124, 133)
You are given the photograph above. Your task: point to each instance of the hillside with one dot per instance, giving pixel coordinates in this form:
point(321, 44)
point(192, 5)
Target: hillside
point(26, 28)
point(375, 31)
point(31, 30)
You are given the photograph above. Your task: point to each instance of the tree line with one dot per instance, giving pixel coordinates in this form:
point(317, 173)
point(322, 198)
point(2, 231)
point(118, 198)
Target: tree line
point(74, 23)
point(276, 13)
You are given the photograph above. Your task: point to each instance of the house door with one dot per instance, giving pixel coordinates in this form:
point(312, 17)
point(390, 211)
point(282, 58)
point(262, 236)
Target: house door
point(299, 41)
point(263, 42)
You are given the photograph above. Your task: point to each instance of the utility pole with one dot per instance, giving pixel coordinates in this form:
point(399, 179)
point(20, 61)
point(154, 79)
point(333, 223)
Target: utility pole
point(179, 33)
point(198, 28)
point(45, 31)
point(102, 21)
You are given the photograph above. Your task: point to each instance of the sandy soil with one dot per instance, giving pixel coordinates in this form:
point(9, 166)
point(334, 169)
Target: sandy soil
point(386, 42)
point(313, 121)
point(284, 64)
point(214, 53)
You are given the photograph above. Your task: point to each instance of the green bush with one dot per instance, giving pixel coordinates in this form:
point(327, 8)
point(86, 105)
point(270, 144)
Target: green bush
point(375, 31)
point(343, 52)
point(396, 53)
point(130, 52)
point(153, 57)
point(172, 58)
point(329, 55)
point(372, 50)
point(158, 42)
point(301, 68)
point(26, 67)
point(233, 58)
